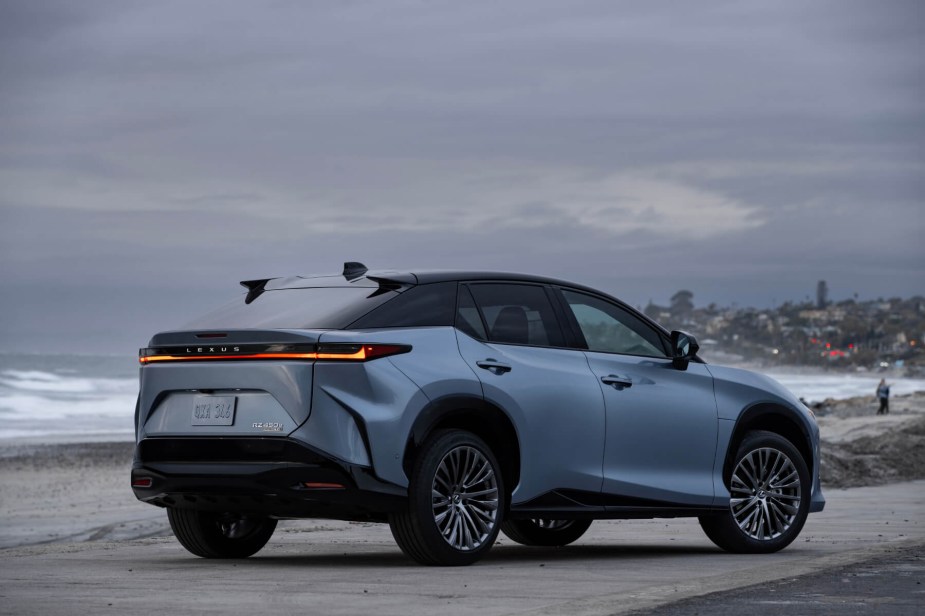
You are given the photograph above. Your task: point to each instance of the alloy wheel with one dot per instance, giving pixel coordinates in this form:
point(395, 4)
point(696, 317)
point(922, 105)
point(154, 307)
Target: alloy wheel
point(765, 490)
point(465, 498)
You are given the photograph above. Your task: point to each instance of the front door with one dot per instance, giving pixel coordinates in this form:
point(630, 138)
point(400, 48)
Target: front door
point(661, 422)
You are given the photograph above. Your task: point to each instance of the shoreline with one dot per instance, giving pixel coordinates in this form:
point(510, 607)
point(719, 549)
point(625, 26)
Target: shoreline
point(7, 443)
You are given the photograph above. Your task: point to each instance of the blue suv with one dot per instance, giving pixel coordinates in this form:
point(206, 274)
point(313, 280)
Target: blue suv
point(454, 406)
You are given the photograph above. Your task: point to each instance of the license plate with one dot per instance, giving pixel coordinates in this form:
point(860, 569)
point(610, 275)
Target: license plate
point(213, 410)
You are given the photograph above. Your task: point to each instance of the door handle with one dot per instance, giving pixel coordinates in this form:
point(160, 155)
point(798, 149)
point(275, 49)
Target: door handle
point(493, 365)
point(619, 382)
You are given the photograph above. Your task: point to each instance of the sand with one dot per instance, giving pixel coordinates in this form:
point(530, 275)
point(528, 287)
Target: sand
point(861, 448)
point(71, 492)
point(80, 491)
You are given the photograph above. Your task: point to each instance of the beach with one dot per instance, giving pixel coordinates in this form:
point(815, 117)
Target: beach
point(860, 448)
point(71, 492)
point(76, 492)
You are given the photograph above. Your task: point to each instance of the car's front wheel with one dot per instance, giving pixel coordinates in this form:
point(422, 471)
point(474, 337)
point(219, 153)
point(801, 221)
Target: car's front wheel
point(455, 501)
point(220, 535)
point(769, 488)
point(542, 532)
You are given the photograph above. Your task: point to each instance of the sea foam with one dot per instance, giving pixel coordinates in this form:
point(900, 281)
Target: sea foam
point(35, 403)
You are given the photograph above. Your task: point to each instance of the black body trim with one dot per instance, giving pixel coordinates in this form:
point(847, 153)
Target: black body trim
point(263, 476)
point(748, 419)
point(576, 504)
point(479, 416)
point(444, 408)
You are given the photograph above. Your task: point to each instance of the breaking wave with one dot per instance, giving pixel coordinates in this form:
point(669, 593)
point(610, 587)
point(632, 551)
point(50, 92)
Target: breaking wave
point(65, 404)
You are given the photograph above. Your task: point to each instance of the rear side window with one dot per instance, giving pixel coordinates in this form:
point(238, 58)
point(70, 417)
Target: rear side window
point(467, 316)
point(420, 306)
point(518, 314)
point(308, 308)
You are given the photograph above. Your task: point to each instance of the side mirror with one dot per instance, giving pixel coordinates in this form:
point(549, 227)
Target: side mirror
point(683, 348)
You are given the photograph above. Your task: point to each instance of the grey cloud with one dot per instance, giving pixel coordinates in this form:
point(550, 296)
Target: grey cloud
point(741, 149)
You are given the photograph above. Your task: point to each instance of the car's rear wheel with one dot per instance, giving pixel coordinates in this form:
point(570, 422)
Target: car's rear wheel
point(455, 501)
point(770, 493)
point(543, 532)
point(220, 535)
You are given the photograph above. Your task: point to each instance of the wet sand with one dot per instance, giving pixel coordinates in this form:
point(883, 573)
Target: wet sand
point(71, 492)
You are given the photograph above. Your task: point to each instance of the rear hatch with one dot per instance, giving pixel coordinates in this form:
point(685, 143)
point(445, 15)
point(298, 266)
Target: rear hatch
point(227, 383)
point(246, 368)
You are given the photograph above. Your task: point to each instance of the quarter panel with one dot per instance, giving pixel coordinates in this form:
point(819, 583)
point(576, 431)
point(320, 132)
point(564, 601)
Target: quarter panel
point(738, 390)
point(378, 397)
point(388, 395)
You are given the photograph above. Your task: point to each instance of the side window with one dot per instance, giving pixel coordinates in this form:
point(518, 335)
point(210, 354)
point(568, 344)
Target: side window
point(611, 329)
point(419, 306)
point(467, 315)
point(518, 314)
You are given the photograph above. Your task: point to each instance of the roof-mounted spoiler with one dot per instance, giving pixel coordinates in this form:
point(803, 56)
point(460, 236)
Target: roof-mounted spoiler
point(254, 288)
point(387, 281)
point(354, 270)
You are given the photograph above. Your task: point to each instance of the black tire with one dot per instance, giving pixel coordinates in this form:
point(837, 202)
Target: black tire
point(220, 535)
point(767, 509)
point(543, 532)
point(460, 524)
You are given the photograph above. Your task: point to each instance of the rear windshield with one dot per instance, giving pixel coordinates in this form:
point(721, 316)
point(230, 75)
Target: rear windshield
point(313, 308)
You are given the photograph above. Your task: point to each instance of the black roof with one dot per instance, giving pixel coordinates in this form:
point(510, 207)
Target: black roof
point(356, 274)
point(428, 276)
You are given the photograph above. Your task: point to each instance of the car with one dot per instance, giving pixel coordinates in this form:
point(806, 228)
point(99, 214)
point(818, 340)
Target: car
point(455, 405)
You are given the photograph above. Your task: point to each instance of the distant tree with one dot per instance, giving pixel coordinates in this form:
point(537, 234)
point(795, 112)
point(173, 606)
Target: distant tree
point(682, 304)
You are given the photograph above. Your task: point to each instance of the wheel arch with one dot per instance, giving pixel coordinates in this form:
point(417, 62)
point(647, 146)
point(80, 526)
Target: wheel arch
point(771, 417)
point(473, 414)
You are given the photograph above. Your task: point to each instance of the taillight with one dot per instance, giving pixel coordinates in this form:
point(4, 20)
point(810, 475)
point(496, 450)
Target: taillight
point(309, 352)
point(359, 352)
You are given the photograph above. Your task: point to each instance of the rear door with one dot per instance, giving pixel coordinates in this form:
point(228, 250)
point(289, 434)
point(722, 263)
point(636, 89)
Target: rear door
point(661, 425)
point(512, 339)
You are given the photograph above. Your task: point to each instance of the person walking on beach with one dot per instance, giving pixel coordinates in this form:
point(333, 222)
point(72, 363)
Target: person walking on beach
point(883, 393)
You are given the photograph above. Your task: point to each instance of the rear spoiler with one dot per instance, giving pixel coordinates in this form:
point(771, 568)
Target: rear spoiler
point(254, 288)
point(353, 270)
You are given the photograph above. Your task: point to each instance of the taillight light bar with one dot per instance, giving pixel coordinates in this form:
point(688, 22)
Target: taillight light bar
point(252, 352)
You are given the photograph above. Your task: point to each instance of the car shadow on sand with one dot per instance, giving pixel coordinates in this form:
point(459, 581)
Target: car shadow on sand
point(499, 555)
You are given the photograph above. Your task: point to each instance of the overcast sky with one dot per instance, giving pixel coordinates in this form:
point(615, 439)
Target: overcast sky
point(153, 154)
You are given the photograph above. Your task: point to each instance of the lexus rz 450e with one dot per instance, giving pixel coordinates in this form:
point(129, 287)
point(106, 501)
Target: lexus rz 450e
point(454, 406)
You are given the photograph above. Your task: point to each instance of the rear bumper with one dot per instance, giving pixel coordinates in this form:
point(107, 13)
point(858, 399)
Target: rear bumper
point(260, 476)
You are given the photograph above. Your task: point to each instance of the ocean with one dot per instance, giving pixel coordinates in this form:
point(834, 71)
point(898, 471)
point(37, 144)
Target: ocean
point(65, 398)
